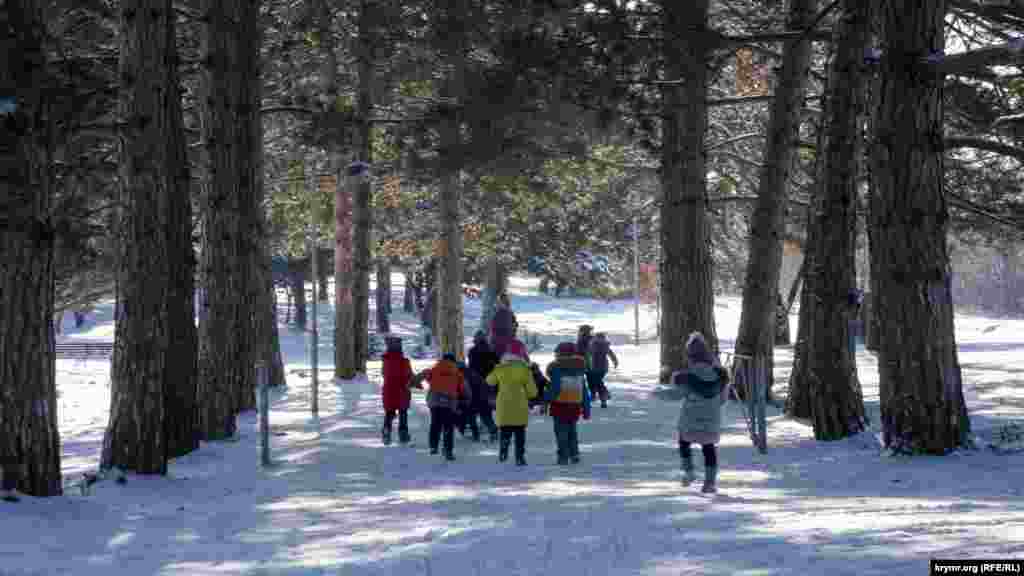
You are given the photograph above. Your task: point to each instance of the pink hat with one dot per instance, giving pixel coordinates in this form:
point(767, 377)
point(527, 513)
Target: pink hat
point(565, 349)
point(517, 348)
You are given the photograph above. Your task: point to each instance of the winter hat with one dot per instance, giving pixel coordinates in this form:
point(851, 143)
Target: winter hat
point(479, 337)
point(697, 349)
point(393, 343)
point(517, 348)
point(565, 349)
point(448, 356)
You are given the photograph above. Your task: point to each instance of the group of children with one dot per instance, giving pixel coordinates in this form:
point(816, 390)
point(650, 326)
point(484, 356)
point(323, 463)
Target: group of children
point(509, 385)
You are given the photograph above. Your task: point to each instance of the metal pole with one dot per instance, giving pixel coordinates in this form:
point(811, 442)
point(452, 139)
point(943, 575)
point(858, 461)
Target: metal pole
point(314, 332)
point(261, 378)
point(636, 279)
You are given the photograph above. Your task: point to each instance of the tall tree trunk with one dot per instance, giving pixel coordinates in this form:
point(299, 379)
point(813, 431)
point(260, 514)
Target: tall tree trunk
point(828, 371)
point(920, 384)
point(782, 337)
point(688, 294)
point(324, 275)
point(494, 284)
point(182, 382)
point(387, 287)
point(29, 438)
point(226, 355)
point(1008, 294)
point(383, 295)
point(266, 304)
point(798, 397)
point(247, 37)
point(362, 214)
point(151, 374)
point(409, 294)
point(449, 271)
point(756, 337)
point(297, 285)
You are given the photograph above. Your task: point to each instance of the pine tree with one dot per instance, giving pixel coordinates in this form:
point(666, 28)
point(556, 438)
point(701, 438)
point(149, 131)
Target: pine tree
point(824, 380)
point(152, 370)
point(687, 293)
point(29, 439)
point(920, 384)
point(756, 336)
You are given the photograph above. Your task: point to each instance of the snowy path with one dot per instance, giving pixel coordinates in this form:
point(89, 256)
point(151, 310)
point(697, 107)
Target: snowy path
point(339, 503)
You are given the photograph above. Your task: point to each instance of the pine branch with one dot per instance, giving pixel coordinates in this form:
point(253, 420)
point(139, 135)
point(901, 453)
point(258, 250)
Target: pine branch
point(971, 61)
point(978, 143)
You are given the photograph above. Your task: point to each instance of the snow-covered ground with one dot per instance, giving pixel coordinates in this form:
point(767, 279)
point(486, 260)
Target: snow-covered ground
point(337, 502)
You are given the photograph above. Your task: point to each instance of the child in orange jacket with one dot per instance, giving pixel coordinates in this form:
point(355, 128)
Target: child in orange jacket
point(447, 388)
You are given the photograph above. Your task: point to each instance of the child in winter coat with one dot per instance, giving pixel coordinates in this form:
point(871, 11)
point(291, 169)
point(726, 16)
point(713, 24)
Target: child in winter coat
point(700, 416)
point(541, 382)
point(600, 352)
point(446, 388)
point(397, 380)
point(482, 360)
point(515, 389)
point(568, 399)
point(479, 405)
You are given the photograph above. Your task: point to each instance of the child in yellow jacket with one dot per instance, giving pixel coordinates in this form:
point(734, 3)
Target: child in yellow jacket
point(516, 388)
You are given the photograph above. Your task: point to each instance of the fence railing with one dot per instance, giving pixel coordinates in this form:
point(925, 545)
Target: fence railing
point(82, 350)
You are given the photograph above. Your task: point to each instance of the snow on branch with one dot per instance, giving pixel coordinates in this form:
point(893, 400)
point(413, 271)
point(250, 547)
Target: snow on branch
point(975, 60)
point(953, 142)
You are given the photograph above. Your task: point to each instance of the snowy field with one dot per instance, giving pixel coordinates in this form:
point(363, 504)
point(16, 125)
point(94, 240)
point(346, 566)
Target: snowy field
point(337, 502)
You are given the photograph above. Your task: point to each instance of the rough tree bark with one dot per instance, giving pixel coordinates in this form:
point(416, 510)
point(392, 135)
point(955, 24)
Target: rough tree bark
point(827, 373)
point(383, 296)
point(687, 293)
point(297, 287)
point(362, 212)
point(149, 367)
point(756, 335)
point(29, 439)
point(409, 294)
point(449, 270)
point(226, 355)
point(324, 274)
point(247, 36)
point(344, 350)
point(920, 385)
point(494, 283)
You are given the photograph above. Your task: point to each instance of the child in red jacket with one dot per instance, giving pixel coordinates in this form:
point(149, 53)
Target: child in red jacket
point(397, 378)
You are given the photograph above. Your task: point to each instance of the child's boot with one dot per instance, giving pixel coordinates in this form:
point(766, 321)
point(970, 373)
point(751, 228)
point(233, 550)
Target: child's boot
point(503, 448)
point(403, 427)
point(710, 480)
point(688, 474)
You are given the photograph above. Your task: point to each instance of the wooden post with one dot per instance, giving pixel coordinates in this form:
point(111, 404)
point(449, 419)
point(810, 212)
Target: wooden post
point(261, 377)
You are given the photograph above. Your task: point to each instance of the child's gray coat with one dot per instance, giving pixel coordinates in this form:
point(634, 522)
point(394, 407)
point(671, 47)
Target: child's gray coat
point(700, 415)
